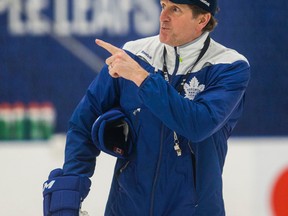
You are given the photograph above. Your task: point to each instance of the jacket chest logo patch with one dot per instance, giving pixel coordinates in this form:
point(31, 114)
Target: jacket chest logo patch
point(193, 88)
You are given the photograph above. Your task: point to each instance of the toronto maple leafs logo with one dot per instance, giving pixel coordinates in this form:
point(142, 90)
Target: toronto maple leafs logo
point(193, 88)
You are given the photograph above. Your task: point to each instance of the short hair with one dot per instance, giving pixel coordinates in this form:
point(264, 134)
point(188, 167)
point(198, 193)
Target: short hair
point(198, 11)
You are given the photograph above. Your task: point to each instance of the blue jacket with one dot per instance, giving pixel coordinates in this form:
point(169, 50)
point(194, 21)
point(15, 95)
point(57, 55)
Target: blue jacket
point(155, 181)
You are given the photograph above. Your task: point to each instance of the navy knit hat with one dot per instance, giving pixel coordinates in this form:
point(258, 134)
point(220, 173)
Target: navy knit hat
point(207, 5)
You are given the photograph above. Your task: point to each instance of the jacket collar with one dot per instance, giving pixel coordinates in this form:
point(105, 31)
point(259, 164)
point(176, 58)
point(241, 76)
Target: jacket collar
point(187, 53)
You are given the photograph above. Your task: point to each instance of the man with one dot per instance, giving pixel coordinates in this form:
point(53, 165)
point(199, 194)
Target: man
point(182, 94)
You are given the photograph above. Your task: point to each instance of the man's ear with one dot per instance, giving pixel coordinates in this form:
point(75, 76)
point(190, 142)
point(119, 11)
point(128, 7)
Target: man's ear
point(203, 19)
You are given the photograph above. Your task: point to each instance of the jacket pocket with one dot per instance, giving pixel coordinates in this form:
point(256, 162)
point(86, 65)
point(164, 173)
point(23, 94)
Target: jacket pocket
point(121, 167)
point(126, 176)
point(193, 161)
point(135, 116)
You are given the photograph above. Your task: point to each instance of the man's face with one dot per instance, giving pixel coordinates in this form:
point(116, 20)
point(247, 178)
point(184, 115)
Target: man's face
point(177, 25)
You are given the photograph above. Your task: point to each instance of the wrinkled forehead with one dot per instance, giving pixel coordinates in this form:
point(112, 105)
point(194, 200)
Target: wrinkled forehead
point(207, 5)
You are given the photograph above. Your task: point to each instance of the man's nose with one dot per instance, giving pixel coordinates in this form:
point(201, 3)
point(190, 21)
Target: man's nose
point(164, 16)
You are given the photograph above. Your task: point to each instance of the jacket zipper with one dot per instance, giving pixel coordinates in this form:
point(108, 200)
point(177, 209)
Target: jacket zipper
point(122, 169)
point(161, 143)
point(194, 168)
point(177, 62)
point(156, 174)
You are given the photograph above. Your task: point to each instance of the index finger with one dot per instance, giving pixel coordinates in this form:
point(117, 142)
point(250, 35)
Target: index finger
point(107, 46)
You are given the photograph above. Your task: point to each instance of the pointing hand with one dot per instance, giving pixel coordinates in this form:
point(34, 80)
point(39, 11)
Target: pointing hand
point(120, 64)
